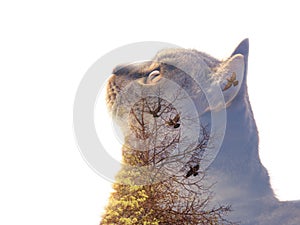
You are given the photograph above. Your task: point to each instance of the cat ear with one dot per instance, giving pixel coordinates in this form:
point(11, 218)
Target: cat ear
point(243, 49)
point(230, 75)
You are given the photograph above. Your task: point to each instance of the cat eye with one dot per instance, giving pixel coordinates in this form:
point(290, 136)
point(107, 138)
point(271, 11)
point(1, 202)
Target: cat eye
point(154, 76)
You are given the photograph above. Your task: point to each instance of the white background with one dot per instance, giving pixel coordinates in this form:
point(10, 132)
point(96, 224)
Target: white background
point(45, 49)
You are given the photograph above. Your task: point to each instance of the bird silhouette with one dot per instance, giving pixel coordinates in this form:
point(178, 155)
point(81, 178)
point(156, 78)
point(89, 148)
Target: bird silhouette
point(231, 81)
point(193, 171)
point(174, 122)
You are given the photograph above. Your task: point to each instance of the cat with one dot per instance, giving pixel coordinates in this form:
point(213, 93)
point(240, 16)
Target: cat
point(238, 175)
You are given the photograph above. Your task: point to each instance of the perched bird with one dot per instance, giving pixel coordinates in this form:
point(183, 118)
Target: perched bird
point(231, 81)
point(193, 171)
point(174, 122)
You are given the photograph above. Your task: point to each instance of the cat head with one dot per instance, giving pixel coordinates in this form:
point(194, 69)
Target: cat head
point(197, 73)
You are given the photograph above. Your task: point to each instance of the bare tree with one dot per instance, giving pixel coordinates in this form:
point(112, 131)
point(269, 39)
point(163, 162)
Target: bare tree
point(172, 188)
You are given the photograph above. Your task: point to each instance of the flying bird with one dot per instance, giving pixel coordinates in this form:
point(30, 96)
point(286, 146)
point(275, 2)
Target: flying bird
point(231, 81)
point(193, 171)
point(174, 122)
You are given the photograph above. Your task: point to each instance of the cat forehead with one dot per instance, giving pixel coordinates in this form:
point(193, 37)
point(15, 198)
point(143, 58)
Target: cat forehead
point(138, 68)
point(191, 57)
point(194, 63)
point(190, 61)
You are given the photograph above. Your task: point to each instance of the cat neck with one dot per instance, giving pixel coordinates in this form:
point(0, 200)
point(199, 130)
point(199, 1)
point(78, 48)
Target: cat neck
point(237, 169)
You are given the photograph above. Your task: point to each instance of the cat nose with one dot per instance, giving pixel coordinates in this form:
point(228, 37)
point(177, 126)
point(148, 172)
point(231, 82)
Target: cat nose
point(153, 77)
